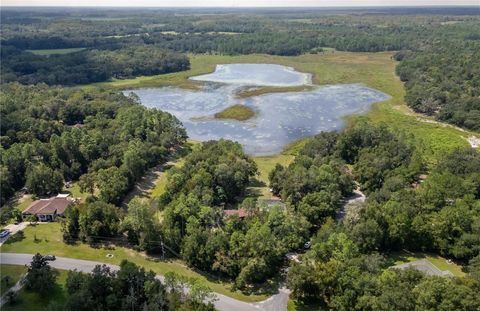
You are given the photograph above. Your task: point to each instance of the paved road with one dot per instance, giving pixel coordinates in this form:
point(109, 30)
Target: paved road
point(277, 302)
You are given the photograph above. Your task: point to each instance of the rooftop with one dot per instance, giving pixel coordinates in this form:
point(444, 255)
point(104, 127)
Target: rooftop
point(241, 212)
point(52, 205)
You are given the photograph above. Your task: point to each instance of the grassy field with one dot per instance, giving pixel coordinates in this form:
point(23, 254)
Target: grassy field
point(236, 112)
point(33, 302)
point(55, 51)
point(266, 164)
point(75, 192)
point(49, 241)
point(244, 93)
point(440, 262)
point(13, 272)
point(376, 70)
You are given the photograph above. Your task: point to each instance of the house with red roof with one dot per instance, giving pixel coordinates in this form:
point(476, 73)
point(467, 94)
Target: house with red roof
point(49, 209)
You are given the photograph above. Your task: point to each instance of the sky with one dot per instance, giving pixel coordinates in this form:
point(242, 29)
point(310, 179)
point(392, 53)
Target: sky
point(235, 3)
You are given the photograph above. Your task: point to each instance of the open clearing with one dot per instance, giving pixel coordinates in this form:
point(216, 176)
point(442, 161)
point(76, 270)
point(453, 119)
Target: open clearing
point(440, 262)
point(55, 51)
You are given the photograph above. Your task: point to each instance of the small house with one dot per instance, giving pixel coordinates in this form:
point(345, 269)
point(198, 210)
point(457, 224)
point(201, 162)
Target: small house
point(49, 209)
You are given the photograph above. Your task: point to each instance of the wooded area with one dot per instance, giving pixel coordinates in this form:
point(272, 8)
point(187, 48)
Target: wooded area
point(104, 139)
point(209, 214)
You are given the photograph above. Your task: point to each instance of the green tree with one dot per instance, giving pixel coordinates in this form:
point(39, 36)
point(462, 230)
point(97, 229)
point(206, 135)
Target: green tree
point(98, 220)
point(140, 224)
point(40, 278)
point(112, 185)
point(42, 180)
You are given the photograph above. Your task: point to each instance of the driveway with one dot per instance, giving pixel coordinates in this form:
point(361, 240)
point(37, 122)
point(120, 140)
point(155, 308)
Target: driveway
point(277, 302)
point(13, 228)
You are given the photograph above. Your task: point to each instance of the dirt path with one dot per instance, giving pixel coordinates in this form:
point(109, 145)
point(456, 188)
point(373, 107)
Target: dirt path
point(351, 206)
point(147, 183)
point(473, 140)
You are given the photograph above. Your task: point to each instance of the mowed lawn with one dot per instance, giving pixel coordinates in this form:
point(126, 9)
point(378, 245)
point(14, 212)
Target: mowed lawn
point(27, 300)
point(376, 70)
point(47, 239)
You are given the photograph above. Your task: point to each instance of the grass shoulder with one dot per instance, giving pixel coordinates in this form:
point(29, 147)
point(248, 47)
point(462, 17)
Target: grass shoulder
point(236, 112)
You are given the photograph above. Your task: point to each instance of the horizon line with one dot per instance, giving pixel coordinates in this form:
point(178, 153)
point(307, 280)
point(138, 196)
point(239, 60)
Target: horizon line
point(244, 7)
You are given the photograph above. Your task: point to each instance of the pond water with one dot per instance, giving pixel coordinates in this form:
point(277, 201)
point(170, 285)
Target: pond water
point(280, 117)
point(256, 75)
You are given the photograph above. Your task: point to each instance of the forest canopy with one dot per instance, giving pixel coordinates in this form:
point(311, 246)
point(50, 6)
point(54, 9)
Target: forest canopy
point(104, 139)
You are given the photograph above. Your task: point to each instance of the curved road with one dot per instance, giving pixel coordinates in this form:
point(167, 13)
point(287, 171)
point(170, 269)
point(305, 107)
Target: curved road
point(277, 302)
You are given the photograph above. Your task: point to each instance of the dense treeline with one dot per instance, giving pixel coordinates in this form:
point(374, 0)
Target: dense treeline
point(374, 153)
point(88, 66)
point(336, 273)
point(129, 288)
point(105, 139)
point(441, 214)
point(444, 81)
point(96, 221)
point(249, 250)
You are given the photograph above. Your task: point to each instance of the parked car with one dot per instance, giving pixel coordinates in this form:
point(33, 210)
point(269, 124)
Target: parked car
point(4, 233)
point(307, 245)
point(49, 257)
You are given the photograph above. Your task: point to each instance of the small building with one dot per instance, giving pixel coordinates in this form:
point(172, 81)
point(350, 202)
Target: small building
point(241, 212)
point(49, 209)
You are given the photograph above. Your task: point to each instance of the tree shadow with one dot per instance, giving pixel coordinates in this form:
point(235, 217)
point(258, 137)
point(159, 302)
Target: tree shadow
point(393, 258)
point(309, 305)
point(255, 182)
point(17, 237)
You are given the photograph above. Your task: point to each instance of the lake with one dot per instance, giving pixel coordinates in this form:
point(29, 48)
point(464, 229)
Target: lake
point(280, 117)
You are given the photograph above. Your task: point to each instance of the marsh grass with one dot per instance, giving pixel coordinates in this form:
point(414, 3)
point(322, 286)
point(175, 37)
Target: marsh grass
point(236, 112)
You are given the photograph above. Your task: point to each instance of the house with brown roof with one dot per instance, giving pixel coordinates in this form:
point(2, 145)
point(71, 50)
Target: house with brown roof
point(49, 209)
